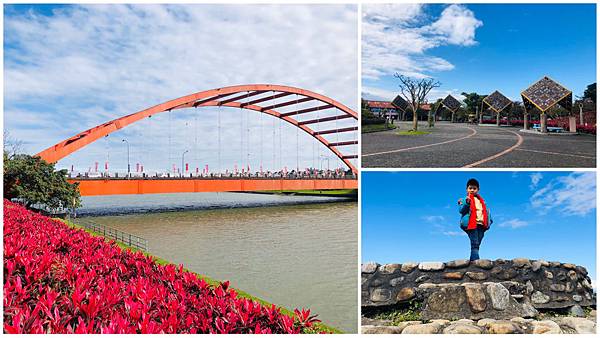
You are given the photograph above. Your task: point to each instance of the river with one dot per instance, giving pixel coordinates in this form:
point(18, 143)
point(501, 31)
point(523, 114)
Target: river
point(289, 250)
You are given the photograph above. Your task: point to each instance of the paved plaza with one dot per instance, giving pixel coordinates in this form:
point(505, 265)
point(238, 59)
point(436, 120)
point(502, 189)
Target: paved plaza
point(459, 145)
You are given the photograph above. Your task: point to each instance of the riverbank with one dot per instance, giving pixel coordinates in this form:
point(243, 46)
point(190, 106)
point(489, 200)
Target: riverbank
point(317, 327)
point(344, 194)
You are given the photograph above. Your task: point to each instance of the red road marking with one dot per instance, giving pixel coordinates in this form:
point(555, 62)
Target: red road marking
point(504, 152)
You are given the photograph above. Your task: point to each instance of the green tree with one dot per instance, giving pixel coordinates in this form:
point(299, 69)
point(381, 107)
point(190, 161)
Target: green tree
point(34, 181)
point(433, 112)
point(590, 92)
point(473, 101)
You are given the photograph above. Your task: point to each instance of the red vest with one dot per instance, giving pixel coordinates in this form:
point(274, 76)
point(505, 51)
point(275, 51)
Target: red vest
point(473, 216)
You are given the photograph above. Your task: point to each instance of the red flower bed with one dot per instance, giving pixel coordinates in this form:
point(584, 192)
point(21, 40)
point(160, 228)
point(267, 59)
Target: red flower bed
point(557, 122)
point(62, 280)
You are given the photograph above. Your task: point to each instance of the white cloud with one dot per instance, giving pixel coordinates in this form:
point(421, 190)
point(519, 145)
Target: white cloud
point(397, 37)
point(513, 223)
point(535, 179)
point(457, 26)
point(440, 225)
point(573, 195)
point(433, 218)
point(85, 65)
point(374, 93)
point(454, 233)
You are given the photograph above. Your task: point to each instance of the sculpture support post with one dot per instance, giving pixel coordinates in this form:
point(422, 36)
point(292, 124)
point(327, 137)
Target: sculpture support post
point(526, 121)
point(543, 127)
point(498, 119)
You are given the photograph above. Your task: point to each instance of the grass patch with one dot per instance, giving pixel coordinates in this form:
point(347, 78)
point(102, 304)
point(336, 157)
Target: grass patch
point(564, 312)
point(317, 327)
point(413, 133)
point(371, 128)
point(397, 314)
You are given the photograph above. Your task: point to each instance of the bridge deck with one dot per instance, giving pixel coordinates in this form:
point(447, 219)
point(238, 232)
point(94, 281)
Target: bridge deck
point(96, 187)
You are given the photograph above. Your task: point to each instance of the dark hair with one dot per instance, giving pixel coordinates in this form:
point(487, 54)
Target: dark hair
point(473, 182)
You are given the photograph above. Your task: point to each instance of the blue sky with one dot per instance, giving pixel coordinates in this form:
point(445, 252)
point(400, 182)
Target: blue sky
point(479, 47)
point(72, 67)
point(413, 216)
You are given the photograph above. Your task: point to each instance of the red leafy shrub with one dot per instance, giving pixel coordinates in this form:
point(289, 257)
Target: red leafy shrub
point(62, 280)
point(556, 122)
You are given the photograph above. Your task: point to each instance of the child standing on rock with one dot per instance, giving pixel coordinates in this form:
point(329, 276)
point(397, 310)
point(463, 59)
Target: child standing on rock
point(475, 216)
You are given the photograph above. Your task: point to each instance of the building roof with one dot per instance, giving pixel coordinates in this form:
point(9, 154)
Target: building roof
point(380, 104)
point(451, 103)
point(497, 101)
point(546, 93)
point(400, 103)
point(389, 105)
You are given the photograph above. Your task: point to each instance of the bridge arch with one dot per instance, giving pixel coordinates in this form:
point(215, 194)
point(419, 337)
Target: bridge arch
point(263, 98)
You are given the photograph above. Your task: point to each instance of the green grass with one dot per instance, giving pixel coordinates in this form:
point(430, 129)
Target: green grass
point(413, 133)
point(371, 128)
point(397, 314)
point(317, 328)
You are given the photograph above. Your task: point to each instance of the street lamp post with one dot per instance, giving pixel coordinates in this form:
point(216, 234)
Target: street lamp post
point(580, 113)
point(128, 165)
point(182, 157)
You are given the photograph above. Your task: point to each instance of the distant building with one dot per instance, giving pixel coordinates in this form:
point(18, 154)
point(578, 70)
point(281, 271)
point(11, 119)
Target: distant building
point(383, 109)
point(386, 109)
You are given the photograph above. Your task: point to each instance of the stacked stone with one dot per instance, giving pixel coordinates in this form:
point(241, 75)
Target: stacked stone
point(487, 325)
point(499, 289)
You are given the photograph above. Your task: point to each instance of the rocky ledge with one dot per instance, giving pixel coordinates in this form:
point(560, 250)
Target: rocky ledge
point(499, 290)
point(467, 326)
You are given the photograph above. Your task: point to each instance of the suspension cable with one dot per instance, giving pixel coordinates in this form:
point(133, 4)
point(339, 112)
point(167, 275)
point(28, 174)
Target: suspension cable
point(280, 158)
point(219, 141)
point(248, 135)
point(169, 116)
point(196, 156)
point(260, 120)
point(241, 141)
point(318, 148)
point(106, 143)
point(297, 135)
point(273, 164)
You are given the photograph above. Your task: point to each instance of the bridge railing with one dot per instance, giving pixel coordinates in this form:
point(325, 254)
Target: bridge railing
point(104, 176)
point(117, 235)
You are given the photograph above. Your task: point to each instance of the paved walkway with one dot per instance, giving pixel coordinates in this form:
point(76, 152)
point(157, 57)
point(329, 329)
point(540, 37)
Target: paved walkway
point(464, 145)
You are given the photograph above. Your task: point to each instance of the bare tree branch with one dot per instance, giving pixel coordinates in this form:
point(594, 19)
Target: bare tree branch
point(12, 146)
point(414, 91)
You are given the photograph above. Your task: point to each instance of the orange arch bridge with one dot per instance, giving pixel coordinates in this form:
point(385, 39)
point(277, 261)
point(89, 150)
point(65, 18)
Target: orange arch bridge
point(263, 98)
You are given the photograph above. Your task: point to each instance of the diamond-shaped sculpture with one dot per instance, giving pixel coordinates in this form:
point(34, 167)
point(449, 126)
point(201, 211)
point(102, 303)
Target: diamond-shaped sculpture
point(400, 103)
point(497, 101)
point(546, 93)
point(451, 103)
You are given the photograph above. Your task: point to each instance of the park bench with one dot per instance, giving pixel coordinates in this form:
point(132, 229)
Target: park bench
point(537, 127)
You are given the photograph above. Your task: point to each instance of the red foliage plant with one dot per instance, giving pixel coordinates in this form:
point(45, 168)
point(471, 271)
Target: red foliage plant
point(557, 122)
point(62, 280)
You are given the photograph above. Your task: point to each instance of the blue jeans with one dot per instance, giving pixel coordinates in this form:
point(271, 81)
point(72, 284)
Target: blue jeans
point(475, 235)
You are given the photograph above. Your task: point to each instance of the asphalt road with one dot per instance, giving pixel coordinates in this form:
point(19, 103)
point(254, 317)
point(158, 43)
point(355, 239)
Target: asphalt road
point(464, 145)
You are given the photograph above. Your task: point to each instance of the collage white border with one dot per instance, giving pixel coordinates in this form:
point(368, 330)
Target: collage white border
point(359, 86)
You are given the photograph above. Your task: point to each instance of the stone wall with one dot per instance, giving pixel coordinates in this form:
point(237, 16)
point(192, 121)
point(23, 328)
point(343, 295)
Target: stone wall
point(500, 289)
